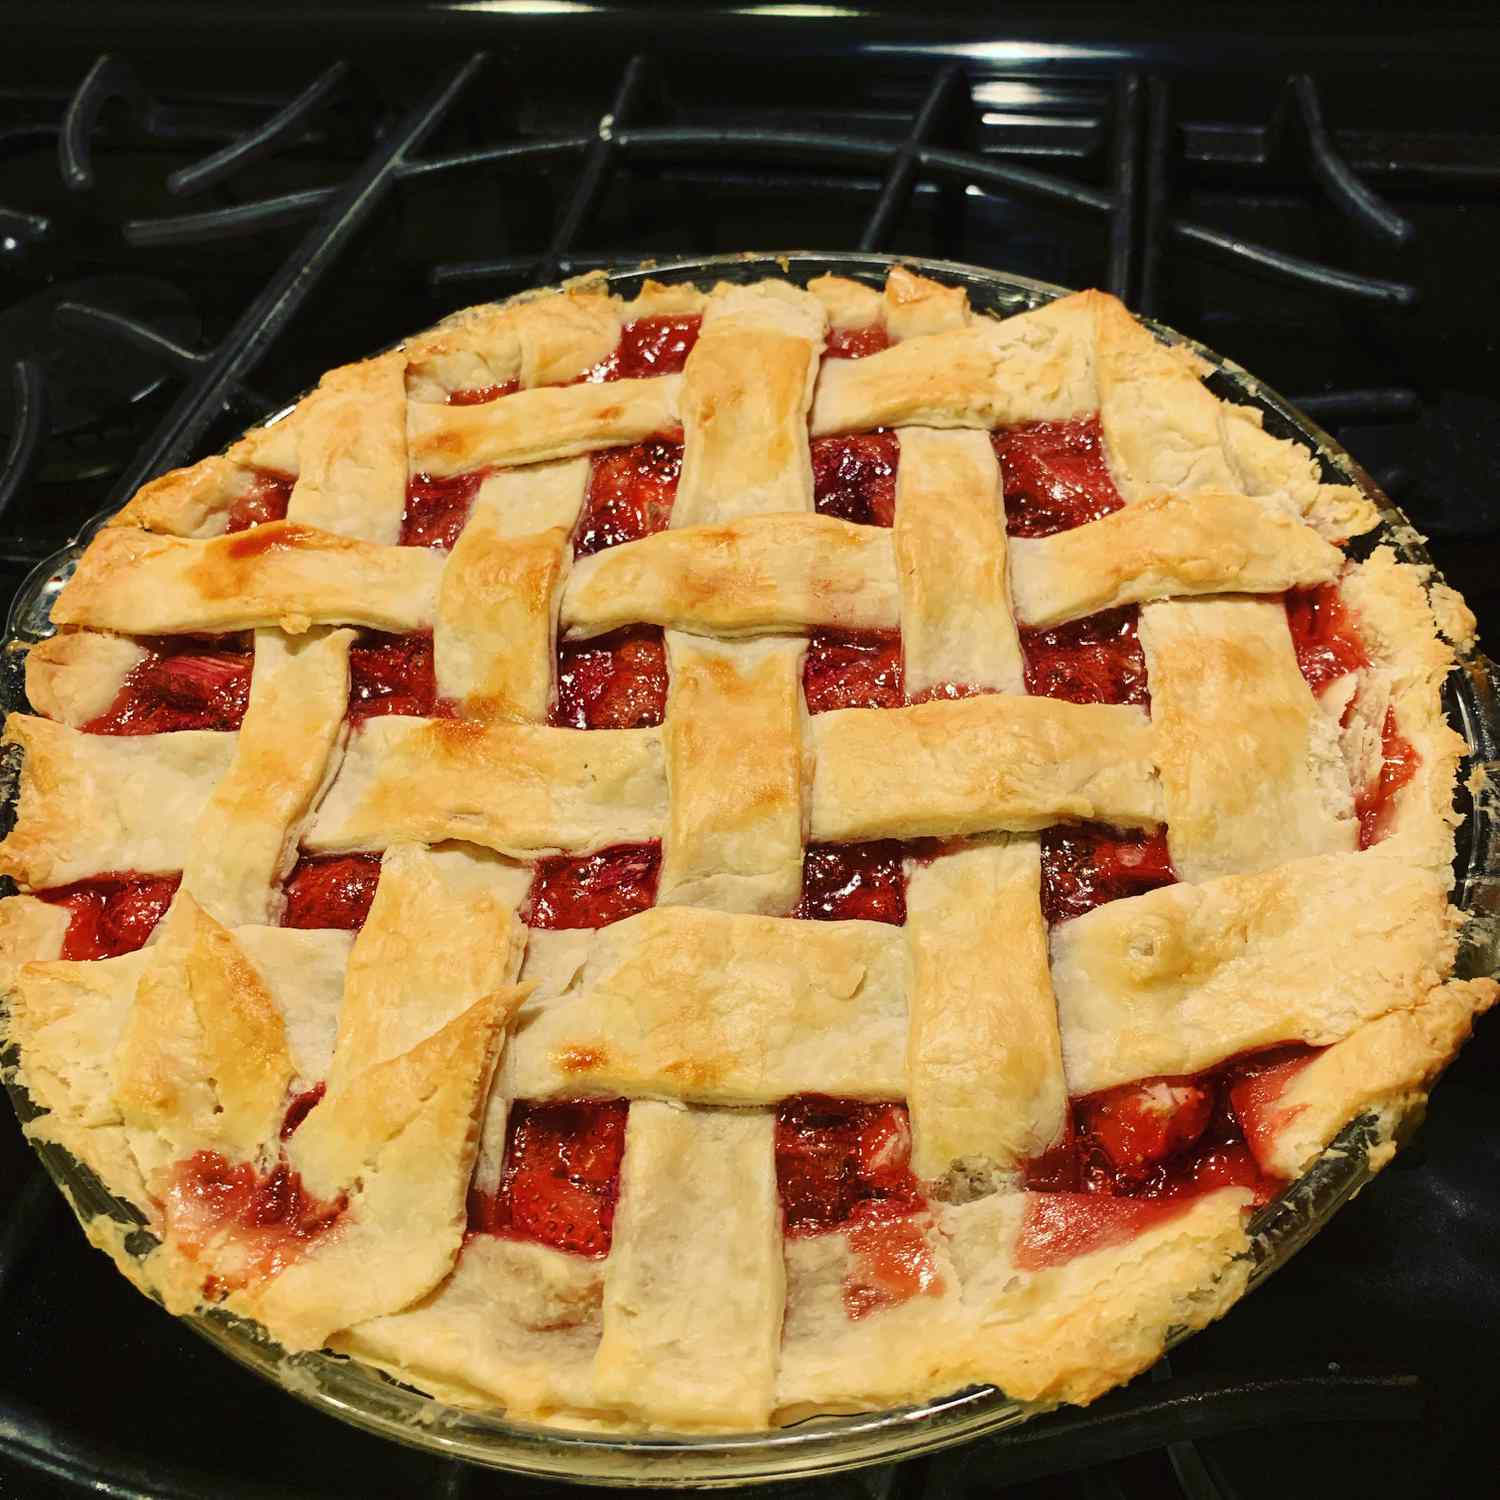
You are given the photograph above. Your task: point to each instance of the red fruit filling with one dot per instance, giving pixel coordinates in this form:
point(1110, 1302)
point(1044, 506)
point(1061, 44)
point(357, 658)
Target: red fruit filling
point(331, 890)
point(1256, 1084)
point(893, 1261)
point(300, 1108)
point(1054, 476)
point(839, 1159)
point(391, 674)
point(478, 395)
point(1056, 1227)
point(630, 495)
point(615, 681)
point(185, 682)
point(1094, 660)
point(854, 478)
point(1139, 1126)
point(1328, 647)
point(1176, 1137)
point(1083, 866)
point(846, 1165)
point(853, 882)
point(843, 670)
point(437, 510)
point(560, 1179)
point(269, 1218)
point(1398, 764)
point(650, 346)
point(266, 499)
point(1323, 635)
point(856, 343)
point(111, 914)
point(593, 890)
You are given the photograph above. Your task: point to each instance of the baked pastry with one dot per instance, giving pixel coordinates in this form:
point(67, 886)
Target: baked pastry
point(686, 863)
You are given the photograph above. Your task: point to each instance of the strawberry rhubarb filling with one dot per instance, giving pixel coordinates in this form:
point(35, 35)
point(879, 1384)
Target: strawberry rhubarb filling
point(184, 682)
point(843, 1166)
point(1176, 1137)
point(111, 914)
point(253, 1222)
point(265, 499)
point(1329, 647)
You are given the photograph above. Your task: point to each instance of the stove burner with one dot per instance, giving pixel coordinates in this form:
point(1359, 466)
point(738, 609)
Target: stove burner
point(86, 389)
point(91, 391)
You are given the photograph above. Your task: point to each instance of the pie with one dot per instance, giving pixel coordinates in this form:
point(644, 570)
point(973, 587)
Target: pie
point(681, 864)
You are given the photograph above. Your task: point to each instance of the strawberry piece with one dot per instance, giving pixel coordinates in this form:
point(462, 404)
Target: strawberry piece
point(1057, 1227)
point(856, 343)
point(270, 1217)
point(1255, 1087)
point(132, 910)
point(1398, 764)
point(848, 882)
point(1055, 476)
point(854, 477)
point(556, 1212)
point(1228, 1165)
point(615, 681)
point(561, 1177)
point(181, 684)
point(331, 890)
point(893, 1261)
point(112, 914)
point(651, 346)
point(480, 395)
point(1175, 1138)
point(593, 890)
point(300, 1108)
point(196, 679)
point(266, 500)
point(1143, 1124)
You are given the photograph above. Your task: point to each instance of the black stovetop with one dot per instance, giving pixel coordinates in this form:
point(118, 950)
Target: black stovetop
point(1320, 207)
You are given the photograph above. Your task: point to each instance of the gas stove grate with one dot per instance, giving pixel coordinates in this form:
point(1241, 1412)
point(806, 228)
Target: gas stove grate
point(936, 149)
point(1141, 231)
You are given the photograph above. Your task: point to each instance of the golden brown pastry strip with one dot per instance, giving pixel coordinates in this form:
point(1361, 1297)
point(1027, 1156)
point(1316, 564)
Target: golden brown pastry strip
point(1164, 547)
point(735, 775)
point(679, 1002)
point(976, 765)
point(277, 574)
point(696, 1349)
point(767, 573)
point(532, 426)
point(985, 1083)
point(1179, 979)
point(1249, 759)
point(520, 789)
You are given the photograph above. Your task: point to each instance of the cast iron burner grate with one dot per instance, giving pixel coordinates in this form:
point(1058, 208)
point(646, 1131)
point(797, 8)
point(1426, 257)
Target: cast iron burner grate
point(1133, 207)
point(955, 146)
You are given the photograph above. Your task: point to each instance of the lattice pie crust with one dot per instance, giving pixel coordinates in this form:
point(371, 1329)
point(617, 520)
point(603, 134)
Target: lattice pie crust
point(714, 1005)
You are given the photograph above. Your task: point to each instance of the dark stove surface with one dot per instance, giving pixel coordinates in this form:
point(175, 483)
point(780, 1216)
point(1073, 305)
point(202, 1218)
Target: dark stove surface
point(1312, 195)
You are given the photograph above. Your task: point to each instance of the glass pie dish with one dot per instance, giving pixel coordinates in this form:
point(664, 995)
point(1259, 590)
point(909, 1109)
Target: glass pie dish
point(370, 1400)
